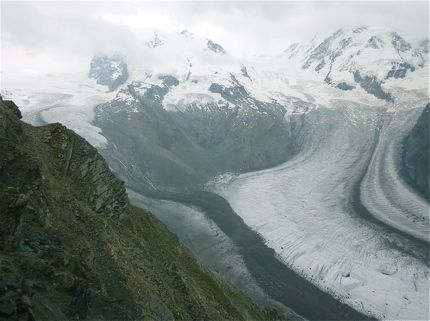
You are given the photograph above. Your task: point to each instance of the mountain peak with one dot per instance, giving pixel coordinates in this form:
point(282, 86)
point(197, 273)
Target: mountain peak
point(368, 57)
point(109, 71)
point(154, 42)
point(215, 47)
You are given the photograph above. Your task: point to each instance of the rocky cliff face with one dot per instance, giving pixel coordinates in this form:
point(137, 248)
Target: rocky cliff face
point(71, 246)
point(416, 154)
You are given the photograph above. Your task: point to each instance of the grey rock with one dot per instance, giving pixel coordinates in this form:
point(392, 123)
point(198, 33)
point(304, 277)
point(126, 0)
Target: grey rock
point(416, 159)
point(399, 43)
point(12, 107)
point(215, 47)
point(399, 70)
point(244, 72)
point(424, 45)
point(372, 85)
point(375, 42)
point(169, 80)
point(109, 71)
point(344, 86)
point(324, 50)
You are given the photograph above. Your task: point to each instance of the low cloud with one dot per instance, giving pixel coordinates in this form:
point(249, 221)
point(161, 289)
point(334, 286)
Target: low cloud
point(47, 37)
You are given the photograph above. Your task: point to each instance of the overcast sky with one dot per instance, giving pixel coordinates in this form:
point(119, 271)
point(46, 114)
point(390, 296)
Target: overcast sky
point(59, 36)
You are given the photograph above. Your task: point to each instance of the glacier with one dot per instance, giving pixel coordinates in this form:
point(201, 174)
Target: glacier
point(304, 211)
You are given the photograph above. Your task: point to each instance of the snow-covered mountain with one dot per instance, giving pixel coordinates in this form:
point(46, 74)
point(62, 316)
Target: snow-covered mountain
point(215, 99)
point(372, 59)
point(364, 65)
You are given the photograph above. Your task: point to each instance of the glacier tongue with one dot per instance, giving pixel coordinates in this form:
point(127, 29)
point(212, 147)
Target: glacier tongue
point(304, 211)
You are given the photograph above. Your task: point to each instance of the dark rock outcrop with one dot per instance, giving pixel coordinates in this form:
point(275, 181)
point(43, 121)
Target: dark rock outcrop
point(399, 70)
point(109, 71)
point(399, 43)
point(372, 85)
point(169, 80)
point(375, 42)
point(215, 47)
point(416, 159)
point(12, 107)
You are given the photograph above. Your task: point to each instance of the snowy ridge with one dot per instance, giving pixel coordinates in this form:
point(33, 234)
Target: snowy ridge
point(299, 73)
point(344, 57)
point(109, 71)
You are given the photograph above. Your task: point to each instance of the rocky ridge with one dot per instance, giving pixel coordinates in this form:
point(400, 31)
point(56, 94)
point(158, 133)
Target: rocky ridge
point(72, 247)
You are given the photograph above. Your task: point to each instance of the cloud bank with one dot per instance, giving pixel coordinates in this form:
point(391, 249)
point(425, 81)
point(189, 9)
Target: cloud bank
point(56, 37)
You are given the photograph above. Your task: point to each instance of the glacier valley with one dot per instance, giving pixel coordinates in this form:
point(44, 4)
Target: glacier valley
point(300, 177)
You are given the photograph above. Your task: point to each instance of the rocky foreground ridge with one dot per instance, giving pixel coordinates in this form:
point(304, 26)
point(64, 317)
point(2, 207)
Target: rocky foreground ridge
point(72, 247)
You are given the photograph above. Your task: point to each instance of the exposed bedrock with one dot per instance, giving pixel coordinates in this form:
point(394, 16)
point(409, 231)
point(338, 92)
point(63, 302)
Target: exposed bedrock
point(109, 71)
point(181, 150)
point(415, 156)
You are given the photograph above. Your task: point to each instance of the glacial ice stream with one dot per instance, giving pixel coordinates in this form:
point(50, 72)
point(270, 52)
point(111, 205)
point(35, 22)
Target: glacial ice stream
point(339, 214)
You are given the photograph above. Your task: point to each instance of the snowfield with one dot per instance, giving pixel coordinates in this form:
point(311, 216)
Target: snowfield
point(69, 99)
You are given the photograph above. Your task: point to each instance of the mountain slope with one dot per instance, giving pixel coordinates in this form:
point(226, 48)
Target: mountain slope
point(167, 149)
point(416, 154)
point(71, 246)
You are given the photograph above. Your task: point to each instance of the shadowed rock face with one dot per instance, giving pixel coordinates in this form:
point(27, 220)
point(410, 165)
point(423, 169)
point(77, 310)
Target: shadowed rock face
point(372, 85)
point(72, 247)
point(174, 150)
point(344, 86)
point(399, 70)
point(109, 71)
point(399, 43)
point(215, 47)
point(416, 154)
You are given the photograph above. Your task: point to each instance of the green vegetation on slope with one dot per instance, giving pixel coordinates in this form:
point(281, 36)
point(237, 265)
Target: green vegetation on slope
point(72, 247)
